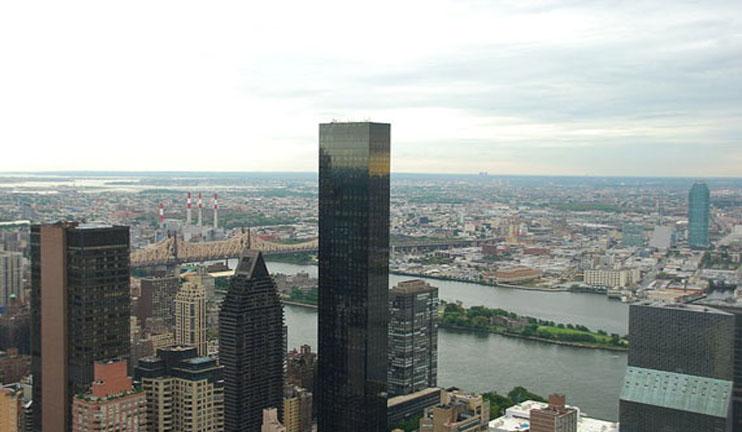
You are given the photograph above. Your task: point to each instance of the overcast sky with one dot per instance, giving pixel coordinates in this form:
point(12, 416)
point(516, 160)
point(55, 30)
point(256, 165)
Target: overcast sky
point(596, 87)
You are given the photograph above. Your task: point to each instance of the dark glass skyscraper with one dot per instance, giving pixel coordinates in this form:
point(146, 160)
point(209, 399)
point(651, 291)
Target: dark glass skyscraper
point(698, 216)
point(353, 276)
point(80, 309)
point(251, 345)
point(680, 371)
point(413, 337)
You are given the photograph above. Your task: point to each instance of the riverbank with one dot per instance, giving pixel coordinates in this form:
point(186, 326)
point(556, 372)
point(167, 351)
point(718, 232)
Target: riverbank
point(534, 338)
point(502, 322)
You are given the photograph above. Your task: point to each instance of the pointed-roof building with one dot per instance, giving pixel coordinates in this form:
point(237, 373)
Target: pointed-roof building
point(251, 347)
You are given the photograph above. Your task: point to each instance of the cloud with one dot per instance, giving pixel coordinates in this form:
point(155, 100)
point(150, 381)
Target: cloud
point(567, 87)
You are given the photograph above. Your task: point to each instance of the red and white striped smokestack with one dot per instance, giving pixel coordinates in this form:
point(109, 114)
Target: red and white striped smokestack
point(162, 214)
point(188, 209)
point(216, 210)
point(200, 210)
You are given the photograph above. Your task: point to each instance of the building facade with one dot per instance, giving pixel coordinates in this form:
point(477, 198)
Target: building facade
point(556, 417)
point(413, 337)
point(112, 403)
point(699, 199)
point(11, 277)
point(185, 392)
point(680, 369)
point(301, 368)
point(251, 345)
point(14, 402)
point(80, 308)
point(297, 410)
point(457, 412)
point(613, 278)
point(157, 300)
point(190, 317)
point(353, 276)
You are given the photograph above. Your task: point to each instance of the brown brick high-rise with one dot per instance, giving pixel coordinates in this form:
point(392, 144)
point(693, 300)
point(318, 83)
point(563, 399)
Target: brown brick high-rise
point(80, 308)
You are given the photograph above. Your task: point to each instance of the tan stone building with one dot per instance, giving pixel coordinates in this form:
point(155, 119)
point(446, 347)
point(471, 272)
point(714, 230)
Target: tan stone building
point(457, 412)
point(270, 421)
point(185, 392)
point(613, 278)
point(297, 410)
point(190, 317)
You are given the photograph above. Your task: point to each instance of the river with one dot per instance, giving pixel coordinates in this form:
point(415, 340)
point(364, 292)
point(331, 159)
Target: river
point(591, 379)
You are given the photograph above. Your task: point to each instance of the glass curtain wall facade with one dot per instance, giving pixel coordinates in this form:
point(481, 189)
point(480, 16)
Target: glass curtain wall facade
point(698, 216)
point(680, 369)
point(353, 276)
point(252, 347)
point(413, 337)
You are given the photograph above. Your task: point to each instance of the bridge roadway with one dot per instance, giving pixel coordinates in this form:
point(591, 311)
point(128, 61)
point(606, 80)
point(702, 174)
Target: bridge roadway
point(172, 251)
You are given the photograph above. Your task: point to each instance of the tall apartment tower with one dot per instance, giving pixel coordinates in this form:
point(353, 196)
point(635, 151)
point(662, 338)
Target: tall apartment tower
point(190, 317)
point(251, 345)
point(11, 277)
point(680, 372)
point(413, 337)
point(698, 216)
point(80, 308)
point(185, 392)
point(353, 276)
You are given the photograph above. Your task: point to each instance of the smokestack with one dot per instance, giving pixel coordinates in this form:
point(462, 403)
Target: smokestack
point(188, 209)
point(200, 210)
point(216, 210)
point(162, 214)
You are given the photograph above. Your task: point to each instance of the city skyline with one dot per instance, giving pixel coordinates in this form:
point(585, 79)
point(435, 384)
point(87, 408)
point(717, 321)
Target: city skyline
point(562, 87)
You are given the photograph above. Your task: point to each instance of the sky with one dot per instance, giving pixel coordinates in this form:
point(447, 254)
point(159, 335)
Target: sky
point(563, 87)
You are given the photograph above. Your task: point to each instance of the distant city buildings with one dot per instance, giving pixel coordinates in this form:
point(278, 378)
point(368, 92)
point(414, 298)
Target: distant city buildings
point(353, 276)
point(698, 216)
point(633, 235)
point(413, 337)
point(112, 404)
point(252, 345)
point(185, 392)
point(613, 278)
point(80, 308)
point(680, 369)
point(190, 317)
point(11, 278)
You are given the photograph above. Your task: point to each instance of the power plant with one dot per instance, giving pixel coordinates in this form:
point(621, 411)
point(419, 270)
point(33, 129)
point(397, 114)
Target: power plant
point(189, 231)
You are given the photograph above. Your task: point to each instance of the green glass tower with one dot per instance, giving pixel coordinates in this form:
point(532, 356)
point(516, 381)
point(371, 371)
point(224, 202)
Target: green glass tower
point(353, 276)
point(698, 216)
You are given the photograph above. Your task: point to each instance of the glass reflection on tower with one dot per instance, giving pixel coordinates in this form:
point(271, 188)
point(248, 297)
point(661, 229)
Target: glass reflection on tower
point(353, 276)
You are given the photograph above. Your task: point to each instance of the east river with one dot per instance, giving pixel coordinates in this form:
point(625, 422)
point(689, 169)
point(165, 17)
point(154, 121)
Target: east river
point(478, 362)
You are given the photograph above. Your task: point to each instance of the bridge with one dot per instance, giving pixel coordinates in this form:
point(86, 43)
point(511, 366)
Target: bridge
point(171, 250)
